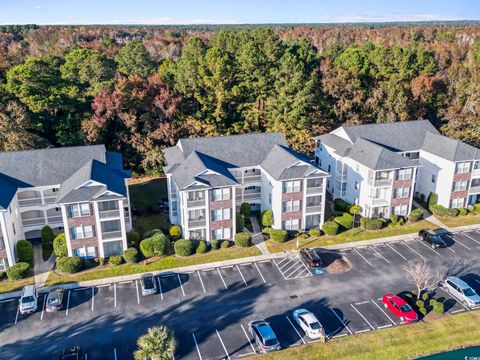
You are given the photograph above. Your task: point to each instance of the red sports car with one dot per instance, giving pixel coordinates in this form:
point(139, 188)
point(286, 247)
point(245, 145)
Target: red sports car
point(400, 308)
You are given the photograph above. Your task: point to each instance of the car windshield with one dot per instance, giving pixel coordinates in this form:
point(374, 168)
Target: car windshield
point(148, 282)
point(53, 301)
point(270, 342)
point(405, 308)
point(469, 292)
point(437, 239)
point(315, 325)
point(28, 299)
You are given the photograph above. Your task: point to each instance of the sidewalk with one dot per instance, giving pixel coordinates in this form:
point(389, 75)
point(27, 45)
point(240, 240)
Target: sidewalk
point(427, 215)
point(257, 237)
point(41, 268)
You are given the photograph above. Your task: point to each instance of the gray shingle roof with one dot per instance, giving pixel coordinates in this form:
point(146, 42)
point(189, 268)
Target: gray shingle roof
point(341, 146)
point(450, 149)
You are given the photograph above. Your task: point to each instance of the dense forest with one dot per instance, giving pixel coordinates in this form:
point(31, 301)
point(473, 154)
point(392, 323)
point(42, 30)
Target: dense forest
point(139, 89)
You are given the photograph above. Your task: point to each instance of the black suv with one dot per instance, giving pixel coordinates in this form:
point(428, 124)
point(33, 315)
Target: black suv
point(432, 238)
point(312, 258)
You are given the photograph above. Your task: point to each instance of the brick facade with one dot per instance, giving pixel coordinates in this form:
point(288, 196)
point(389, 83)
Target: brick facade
point(461, 177)
point(221, 204)
point(84, 220)
point(398, 184)
point(298, 195)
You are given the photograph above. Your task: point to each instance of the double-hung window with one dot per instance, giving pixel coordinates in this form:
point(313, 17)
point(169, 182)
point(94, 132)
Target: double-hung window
point(221, 194)
point(220, 234)
point(292, 205)
point(460, 185)
point(457, 203)
point(76, 210)
point(291, 186)
point(404, 174)
point(463, 167)
point(292, 224)
point(400, 210)
point(402, 192)
point(220, 214)
point(81, 232)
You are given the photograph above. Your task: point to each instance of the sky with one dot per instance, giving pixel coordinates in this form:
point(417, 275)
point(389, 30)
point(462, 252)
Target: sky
point(232, 11)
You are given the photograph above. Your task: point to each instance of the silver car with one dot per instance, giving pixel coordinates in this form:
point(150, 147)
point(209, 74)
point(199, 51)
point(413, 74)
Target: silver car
point(28, 300)
point(461, 291)
point(149, 286)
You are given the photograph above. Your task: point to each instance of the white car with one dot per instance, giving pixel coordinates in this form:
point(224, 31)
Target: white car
point(461, 291)
point(309, 323)
point(28, 300)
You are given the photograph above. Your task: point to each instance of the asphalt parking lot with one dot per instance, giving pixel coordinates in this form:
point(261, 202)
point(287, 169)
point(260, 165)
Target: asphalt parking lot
point(209, 310)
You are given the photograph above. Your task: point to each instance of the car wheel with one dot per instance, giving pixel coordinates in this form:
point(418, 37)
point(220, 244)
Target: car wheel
point(433, 246)
point(385, 305)
point(402, 319)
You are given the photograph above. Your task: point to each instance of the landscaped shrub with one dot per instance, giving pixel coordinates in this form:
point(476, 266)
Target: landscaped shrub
point(420, 303)
point(439, 210)
point(422, 311)
point(341, 205)
point(267, 218)
point(425, 296)
point(355, 209)
point(439, 308)
point(202, 247)
point(133, 238)
point(115, 260)
point(372, 224)
point(330, 227)
point(175, 232)
point(184, 247)
point(462, 212)
point(477, 208)
point(18, 271)
point(60, 246)
point(69, 265)
point(87, 264)
point(47, 235)
point(24, 251)
point(394, 219)
point(146, 247)
point(346, 220)
point(240, 222)
point(278, 235)
point(214, 244)
point(245, 209)
point(225, 244)
point(408, 297)
point(130, 255)
point(314, 232)
point(101, 261)
point(151, 233)
point(243, 239)
point(432, 200)
point(160, 244)
point(452, 212)
point(415, 215)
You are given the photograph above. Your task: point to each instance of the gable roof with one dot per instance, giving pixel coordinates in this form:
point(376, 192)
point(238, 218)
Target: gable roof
point(450, 149)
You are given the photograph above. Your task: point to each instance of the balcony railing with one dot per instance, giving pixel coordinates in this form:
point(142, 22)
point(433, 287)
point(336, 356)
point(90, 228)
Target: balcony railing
point(252, 196)
point(313, 209)
point(197, 223)
point(476, 172)
point(54, 219)
point(111, 234)
point(252, 178)
point(109, 214)
point(379, 182)
point(475, 189)
point(192, 203)
point(49, 199)
point(30, 202)
point(33, 221)
point(314, 190)
point(379, 201)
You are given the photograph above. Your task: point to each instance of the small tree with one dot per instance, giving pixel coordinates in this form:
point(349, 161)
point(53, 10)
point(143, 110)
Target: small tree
point(240, 222)
point(60, 246)
point(432, 200)
point(24, 251)
point(423, 277)
point(175, 232)
point(47, 235)
point(157, 344)
point(267, 218)
point(245, 209)
point(355, 210)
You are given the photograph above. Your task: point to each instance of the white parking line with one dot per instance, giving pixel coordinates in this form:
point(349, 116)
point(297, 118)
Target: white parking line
point(363, 317)
point(16, 316)
point(403, 257)
point(384, 326)
point(115, 353)
point(258, 269)
point(201, 282)
point(404, 243)
point(160, 288)
point(115, 294)
point(368, 262)
point(294, 328)
point(246, 335)
point(8, 300)
point(43, 307)
point(221, 277)
point(286, 264)
point(362, 302)
point(280, 270)
point(477, 281)
point(93, 297)
point(389, 318)
point(371, 247)
point(180, 282)
point(138, 294)
point(196, 345)
point(300, 274)
point(476, 241)
point(458, 242)
point(428, 247)
point(361, 331)
point(457, 311)
point(245, 282)
point(342, 322)
point(223, 345)
point(68, 303)
point(292, 266)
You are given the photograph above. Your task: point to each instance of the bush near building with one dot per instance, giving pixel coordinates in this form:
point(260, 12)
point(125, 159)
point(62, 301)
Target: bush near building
point(371, 224)
point(133, 238)
point(415, 215)
point(314, 232)
point(115, 260)
point(278, 235)
point(240, 222)
point(202, 247)
point(47, 235)
point(175, 232)
point(24, 251)
point(225, 244)
point(69, 265)
point(214, 244)
point(60, 246)
point(341, 205)
point(184, 247)
point(432, 200)
point(267, 218)
point(346, 220)
point(442, 211)
point(18, 271)
point(330, 228)
point(156, 245)
point(130, 255)
point(150, 233)
point(243, 239)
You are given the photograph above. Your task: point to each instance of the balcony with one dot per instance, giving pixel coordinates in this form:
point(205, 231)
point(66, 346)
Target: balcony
point(380, 201)
point(33, 221)
point(112, 234)
point(252, 178)
point(104, 214)
point(474, 189)
point(476, 173)
point(197, 223)
point(30, 201)
point(252, 195)
point(313, 209)
point(379, 182)
point(196, 203)
point(49, 199)
point(54, 219)
point(315, 190)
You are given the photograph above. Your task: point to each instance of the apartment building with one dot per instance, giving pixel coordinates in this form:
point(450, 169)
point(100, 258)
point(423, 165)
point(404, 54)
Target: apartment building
point(81, 191)
point(209, 179)
point(382, 166)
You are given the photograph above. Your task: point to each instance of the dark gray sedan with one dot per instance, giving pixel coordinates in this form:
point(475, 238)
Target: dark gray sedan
point(54, 300)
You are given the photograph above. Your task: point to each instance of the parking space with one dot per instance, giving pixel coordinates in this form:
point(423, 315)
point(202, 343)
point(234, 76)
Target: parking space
point(192, 283)
point(209, 344)
point(212, 281)
point(451, 304)
point(292, 267)
point(9, 311)
point(269, 271)
point(237, 340)
point(374, 314)
point(287, 332)
point(126, 295)
point(170, 287)
point(77, 303)
point(352, 318)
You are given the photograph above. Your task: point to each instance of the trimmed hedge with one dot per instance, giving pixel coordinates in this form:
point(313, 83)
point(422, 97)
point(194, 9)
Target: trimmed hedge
point(18, 271)
point(184, 247)
point(175, 232)
point(133, 238)
point(278, 235)
point(342, 205)
point(69, 265)
point(115, 260)
point(415, 215)
point(372, 224)
point(267, 218)
point(202, 247)
point(346, 220)
point(330, 227)
point(477, 208)
point(24, 251)
point(158, 244)
point(214, 244)
point(240, 222)
point(314, 232)
point(225, 244)
point(130, 255)
point(432, 200)
point(60, 246)
point(243, 239)
point(47, 235)
point(462, 212)
point(440, 210)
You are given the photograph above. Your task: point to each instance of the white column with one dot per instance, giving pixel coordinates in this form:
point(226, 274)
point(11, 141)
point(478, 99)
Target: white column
point(98, 229)
point(122, 226)
point(67, 230)
point(324, 201)
point(304, 206)
point(6, 240)
point(207, 215)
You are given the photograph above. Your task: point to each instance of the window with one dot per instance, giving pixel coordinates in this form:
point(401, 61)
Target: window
point(81, 232)
point(460, 185)
point(400, 210)
point(3, 265)
point(457, 203)
point(221, 194)
point(292, 205)
point(196, 195)
point(111, 248)
point(312, 221)
point(85, 252)
point(196, 214)
point(77, 210)
point(291, 186)
point(329, 168)
point(107, 205)
point(269, 198)
point(314, 183)
point(402, 192)
point(291, 224)
point(220, 214)
point(357, 185)
point(314, 200)
point(463, 167)
point(434, 178)
point(221, 234)
point(198, 234)
point(2, 243)
point(404, 174)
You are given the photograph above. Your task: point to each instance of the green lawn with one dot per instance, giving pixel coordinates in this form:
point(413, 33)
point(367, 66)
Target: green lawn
point(7, 285)
point(168, 262)
point(460, 220)
point(404, 342)
point(347, 236)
